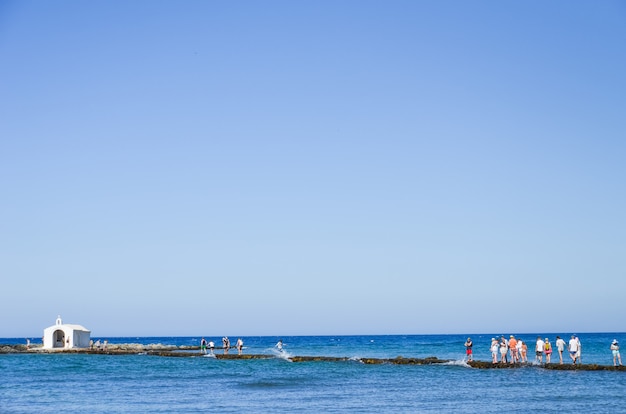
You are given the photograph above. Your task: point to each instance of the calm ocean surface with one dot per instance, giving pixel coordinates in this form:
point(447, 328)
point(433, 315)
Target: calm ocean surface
point(63, 383)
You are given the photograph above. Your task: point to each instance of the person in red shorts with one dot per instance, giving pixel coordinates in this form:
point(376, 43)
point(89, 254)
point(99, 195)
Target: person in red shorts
point(468, 349)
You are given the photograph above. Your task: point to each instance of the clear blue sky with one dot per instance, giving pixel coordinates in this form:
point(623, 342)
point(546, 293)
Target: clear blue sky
point(312, 167)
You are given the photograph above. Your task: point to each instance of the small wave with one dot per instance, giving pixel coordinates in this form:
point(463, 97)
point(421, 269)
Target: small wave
point(262, 384)
point(356, 359)
point(458, 363)
point(281, 354)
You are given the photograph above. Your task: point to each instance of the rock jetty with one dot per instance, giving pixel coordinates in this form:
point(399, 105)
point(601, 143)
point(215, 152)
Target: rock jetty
point(194, 351)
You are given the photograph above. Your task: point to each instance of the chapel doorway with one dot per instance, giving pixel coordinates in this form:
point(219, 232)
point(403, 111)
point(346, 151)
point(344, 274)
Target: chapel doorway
point(58, 339)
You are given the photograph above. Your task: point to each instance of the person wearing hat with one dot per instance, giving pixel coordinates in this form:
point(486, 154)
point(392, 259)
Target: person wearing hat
point(226, 344)
point(513, 349)
point(494, 350)
point(616, 356)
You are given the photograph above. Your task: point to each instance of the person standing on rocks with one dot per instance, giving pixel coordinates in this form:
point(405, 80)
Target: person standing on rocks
point(539, 350)
point(504, 349)
point(560, 347)
point(615, 350)
point(513, 349)
point(226, 344)
point(211, 347)
point(239, 346)
point(548, 350)
point(494, 350)
point(468, 349)
point(573, 349)
point(203, 345)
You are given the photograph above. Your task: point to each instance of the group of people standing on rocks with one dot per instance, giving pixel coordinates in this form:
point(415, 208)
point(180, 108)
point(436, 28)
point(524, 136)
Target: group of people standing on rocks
point(100, 346)
point(503, 347)
point(543, 347)
point(225, 346)
point(208, 347)
point(514, 350)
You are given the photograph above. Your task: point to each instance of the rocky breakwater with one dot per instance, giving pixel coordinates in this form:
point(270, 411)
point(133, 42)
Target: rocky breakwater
point(194, 351)
point(110, 349)
point(373, 361)
point(555, 367)
point(13, 349)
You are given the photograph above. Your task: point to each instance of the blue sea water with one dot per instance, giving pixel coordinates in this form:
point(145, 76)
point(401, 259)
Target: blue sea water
point(52, 383)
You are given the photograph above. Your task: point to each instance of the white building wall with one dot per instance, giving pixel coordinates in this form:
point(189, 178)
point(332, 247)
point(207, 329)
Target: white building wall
point(60, 336)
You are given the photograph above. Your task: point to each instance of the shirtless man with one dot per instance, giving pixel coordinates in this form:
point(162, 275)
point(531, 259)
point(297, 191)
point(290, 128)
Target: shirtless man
point(513, 349)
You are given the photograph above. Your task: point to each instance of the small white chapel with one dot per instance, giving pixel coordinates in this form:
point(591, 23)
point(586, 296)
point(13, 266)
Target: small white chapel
point(60, 335)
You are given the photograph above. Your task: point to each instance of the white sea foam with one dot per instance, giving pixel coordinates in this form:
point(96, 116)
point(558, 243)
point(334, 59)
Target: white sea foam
point(282, 354)
point(458, 362)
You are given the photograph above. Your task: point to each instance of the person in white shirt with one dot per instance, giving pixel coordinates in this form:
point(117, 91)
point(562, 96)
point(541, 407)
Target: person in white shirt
point(504, 349)
point(539, 350)
point(494, 350)
point(226, 344)
point(573, 349)
point(615, 350)
point(560, 346)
